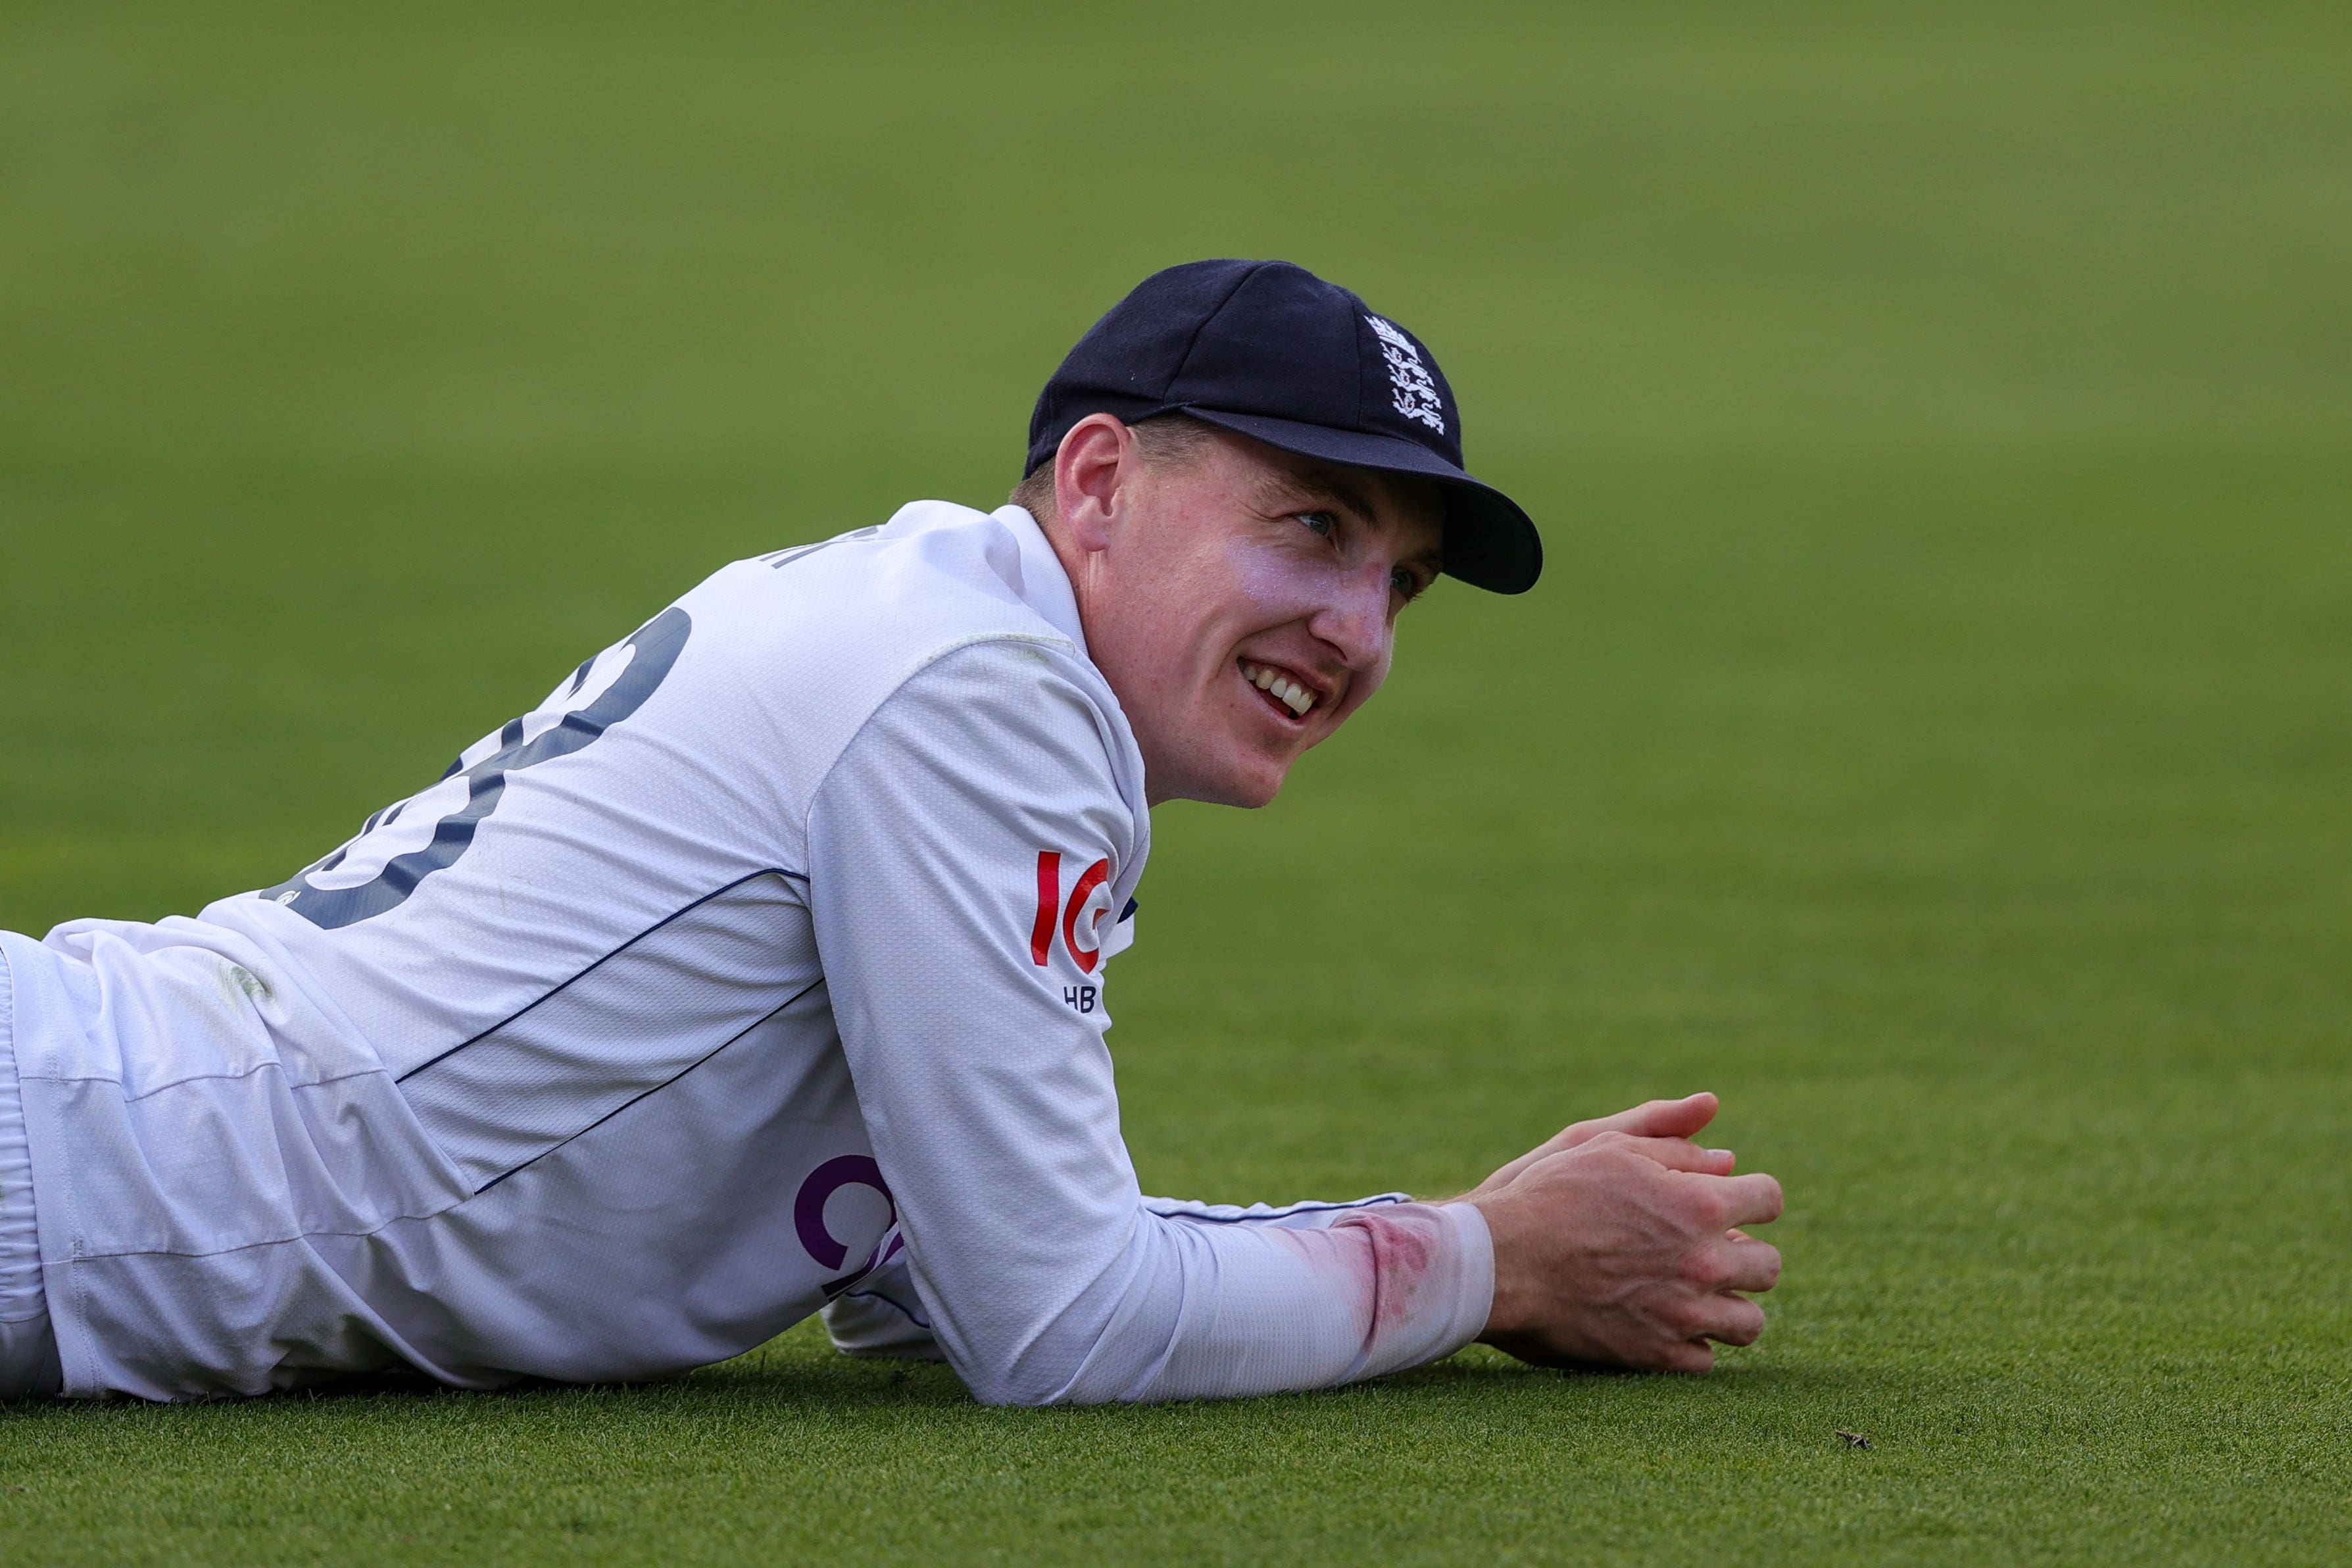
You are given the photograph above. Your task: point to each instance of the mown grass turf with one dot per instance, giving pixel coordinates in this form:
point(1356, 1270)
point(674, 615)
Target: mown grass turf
point(1932, 732)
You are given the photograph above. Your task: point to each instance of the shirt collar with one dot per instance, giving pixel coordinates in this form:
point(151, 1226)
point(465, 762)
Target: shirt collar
point(1044, 586)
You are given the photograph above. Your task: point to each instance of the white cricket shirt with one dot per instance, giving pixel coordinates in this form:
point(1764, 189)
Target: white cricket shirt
point(760, 967)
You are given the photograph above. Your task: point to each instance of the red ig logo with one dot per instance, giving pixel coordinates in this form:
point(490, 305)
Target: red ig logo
point(1083, 907)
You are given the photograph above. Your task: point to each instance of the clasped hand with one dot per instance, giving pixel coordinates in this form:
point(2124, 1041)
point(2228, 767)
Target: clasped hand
point(1617, 1244)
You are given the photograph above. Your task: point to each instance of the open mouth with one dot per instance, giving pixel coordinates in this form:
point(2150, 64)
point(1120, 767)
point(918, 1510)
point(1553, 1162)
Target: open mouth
point(1281, 690)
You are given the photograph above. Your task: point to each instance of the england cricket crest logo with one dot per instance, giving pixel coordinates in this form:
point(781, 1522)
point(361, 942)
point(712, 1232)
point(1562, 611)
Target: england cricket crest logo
point(1414, 389)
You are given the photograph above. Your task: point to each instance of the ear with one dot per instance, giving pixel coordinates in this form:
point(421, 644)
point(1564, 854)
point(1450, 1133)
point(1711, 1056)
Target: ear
point(1097, 461)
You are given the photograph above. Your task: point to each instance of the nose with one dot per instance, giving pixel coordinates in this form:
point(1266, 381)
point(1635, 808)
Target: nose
point(1354, 619)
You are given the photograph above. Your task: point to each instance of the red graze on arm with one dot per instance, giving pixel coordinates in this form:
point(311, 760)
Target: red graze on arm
point(1401, 1254)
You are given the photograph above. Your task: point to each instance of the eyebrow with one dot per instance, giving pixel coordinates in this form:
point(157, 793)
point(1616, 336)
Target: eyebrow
point(1320, 484)
point(1336, 488)
point(1323, 483)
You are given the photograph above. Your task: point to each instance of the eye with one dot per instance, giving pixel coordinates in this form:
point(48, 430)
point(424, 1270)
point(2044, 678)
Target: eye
point(1408, 583)
point(1322, 522)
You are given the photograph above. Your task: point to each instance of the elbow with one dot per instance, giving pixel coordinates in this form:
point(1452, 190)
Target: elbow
point(1051, 1369)
point(1013, 1397)
point(1018, 1387)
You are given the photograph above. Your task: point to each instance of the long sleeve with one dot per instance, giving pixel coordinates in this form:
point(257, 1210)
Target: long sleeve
point(969, 853)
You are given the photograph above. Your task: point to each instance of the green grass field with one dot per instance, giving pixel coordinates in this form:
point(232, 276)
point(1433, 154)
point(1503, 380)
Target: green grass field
point(1933, 733)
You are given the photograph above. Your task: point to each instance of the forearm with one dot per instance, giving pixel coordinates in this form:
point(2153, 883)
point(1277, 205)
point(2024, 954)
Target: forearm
point(1202, 1309)
point(883, 1316)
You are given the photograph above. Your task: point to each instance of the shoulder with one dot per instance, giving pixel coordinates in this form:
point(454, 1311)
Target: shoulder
point(872, 605)
point(1000, 775)
point(788, 656)
point(1030, 713)
point(947, 639)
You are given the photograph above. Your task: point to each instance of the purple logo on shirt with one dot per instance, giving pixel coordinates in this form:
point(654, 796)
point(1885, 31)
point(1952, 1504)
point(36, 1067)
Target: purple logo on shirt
point(808, 1214)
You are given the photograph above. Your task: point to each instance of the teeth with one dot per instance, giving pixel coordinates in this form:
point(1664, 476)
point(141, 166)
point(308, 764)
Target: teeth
point(1279, 687)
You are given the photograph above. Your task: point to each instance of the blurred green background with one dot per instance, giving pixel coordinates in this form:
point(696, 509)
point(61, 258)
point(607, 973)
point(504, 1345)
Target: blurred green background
point(1931, 732)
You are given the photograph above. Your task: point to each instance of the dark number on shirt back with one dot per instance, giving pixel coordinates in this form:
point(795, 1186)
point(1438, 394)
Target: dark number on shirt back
point(654, 648)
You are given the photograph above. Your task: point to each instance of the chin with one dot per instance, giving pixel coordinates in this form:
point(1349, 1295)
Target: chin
point(1252, 798)
point(1211, 763)
point(1246, 788)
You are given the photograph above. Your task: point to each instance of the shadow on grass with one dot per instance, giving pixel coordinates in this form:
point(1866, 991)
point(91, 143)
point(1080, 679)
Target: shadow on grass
point(786, 1375)
point(760, 1375)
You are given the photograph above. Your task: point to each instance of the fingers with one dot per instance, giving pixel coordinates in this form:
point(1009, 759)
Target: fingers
point(1712, 1308)
point(1750, 1200)
point(1654, 1119)
point(1679, 1155)
point(1741, 1263)
point(1684, 1355)
point(1730, 1320)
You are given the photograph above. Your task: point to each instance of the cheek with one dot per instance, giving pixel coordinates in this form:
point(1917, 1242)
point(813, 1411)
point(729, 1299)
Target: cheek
point(1360, 689)
point(1267, 586)
point(1186, 645)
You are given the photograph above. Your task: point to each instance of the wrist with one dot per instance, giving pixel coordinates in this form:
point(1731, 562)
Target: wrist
point(1506, 1304)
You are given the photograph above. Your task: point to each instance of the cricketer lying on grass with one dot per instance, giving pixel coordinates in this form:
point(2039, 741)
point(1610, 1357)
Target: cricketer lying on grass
point(760, 969)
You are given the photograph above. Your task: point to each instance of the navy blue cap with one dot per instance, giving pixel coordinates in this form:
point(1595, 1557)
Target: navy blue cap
point(1275, 352)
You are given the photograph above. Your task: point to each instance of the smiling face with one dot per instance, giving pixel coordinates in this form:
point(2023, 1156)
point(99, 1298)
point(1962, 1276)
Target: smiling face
point(1241, 601)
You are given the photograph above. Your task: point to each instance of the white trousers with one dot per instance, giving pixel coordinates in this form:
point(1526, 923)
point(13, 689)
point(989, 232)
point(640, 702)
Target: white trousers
point(28, 1350)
